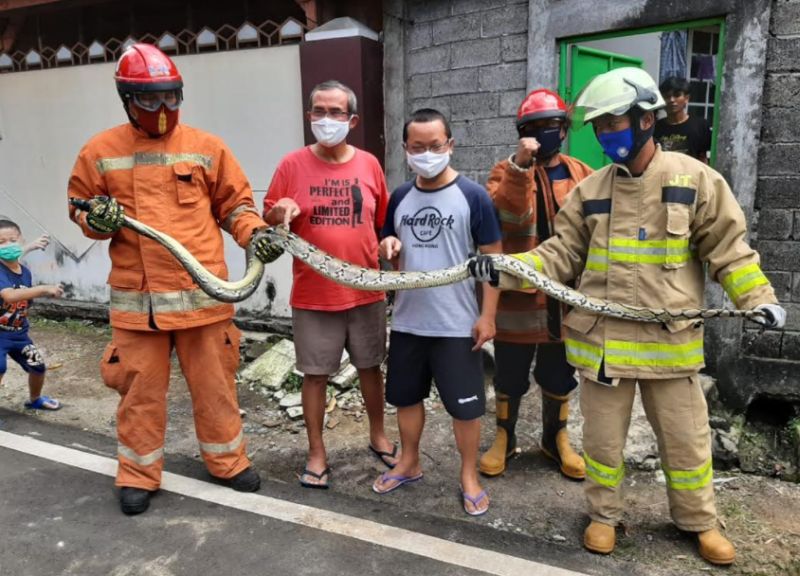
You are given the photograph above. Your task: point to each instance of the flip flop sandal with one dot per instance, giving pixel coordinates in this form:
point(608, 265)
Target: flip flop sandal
point(400, 479)
point(43, 403)
point(319, 485)
point(474, 501)
point(382, 456)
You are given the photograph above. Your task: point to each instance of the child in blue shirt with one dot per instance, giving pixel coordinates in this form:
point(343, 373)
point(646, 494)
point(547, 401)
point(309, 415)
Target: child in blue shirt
point(16, 294)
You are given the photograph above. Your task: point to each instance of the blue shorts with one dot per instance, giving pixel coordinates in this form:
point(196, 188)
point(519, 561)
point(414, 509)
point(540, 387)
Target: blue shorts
point(22, 350)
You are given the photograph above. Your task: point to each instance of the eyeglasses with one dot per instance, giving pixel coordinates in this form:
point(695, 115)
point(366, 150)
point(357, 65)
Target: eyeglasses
point(335, 114)
point(152, 101)
point(435, 148)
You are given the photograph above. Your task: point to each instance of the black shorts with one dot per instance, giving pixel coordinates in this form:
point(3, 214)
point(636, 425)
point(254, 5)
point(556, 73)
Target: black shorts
point(450, 362)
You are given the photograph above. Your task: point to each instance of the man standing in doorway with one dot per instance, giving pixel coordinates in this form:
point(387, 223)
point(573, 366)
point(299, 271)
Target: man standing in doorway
point(528, 189)
point(186, 183)
point(334, 195)
point(680, 132)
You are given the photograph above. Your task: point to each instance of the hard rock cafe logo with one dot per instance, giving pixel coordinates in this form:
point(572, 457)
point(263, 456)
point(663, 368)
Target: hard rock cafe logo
point(427, 223)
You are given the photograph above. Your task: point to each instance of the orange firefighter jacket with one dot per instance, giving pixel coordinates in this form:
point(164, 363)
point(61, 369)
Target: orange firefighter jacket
point(522, 316)
point(644, 241)
point(186, 184)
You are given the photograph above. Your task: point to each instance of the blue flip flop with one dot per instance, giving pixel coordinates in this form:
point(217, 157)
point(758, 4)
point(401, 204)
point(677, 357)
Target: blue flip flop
point(399, 478)
point(43, 403)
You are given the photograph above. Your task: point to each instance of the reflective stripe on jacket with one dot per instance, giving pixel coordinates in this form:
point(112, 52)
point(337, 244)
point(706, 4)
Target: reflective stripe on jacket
point(522, 316)
point(644, 241)
point(186, 184)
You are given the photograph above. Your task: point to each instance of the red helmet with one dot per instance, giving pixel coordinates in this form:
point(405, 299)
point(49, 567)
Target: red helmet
point(145, 68)
point(540, 105)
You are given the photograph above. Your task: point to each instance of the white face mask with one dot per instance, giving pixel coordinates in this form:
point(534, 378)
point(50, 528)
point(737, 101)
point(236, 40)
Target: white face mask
point(329, 132)
point(428, 164)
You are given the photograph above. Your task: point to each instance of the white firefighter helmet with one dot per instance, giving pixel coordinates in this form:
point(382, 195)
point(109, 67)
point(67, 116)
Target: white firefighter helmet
point(616, 92)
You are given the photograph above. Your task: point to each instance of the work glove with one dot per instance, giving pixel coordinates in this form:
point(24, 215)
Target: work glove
point(774, 316)
point(265, 250)
point(105, 216)
point(481, 267)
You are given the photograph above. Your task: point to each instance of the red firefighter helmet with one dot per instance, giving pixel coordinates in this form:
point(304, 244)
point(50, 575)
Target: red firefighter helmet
point(540, 105)
point(145, 68)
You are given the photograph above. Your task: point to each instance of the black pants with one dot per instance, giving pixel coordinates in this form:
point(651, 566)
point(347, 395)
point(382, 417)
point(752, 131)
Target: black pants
point(551, 371)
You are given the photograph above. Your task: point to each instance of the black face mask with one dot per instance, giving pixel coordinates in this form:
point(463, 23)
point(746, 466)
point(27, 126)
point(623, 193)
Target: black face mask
point(549, 139)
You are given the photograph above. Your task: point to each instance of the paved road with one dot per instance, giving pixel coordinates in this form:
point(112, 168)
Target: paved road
point(59, 515)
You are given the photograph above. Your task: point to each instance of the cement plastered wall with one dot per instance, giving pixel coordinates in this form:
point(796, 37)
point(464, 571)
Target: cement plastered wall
point(250, 98)
point(465, 58)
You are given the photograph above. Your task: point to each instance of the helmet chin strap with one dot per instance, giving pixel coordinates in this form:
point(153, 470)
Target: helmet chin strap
point(640, 136)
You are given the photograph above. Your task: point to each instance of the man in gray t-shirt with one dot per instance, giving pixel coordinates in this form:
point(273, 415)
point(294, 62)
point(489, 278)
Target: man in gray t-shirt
point(433, 222)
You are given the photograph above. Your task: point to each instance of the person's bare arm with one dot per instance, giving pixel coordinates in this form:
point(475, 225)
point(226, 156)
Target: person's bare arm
point(13, 295)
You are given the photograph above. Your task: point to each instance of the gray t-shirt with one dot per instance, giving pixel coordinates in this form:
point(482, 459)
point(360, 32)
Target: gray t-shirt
point(439, 228)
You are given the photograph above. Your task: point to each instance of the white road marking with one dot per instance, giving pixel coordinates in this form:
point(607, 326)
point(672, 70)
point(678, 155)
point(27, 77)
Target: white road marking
point(365, 530)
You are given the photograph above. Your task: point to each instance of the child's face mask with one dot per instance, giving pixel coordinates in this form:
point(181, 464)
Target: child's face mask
point(11, 252)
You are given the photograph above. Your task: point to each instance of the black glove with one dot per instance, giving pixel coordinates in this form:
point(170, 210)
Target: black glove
point(106, 215)
point(481, 267)
point(265, 250)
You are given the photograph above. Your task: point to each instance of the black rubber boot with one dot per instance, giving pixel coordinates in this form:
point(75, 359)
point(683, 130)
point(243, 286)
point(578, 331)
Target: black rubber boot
point(555, 440)
point(133, 501)
point(247, 480)
point(493, 461)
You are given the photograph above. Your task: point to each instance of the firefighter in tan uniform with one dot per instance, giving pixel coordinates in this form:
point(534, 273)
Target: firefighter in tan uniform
point(186, 183)
point(640, 232)
point(528, 190)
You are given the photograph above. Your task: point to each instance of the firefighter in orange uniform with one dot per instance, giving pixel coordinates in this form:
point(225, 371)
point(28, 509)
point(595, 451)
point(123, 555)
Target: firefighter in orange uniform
point(528, 189)
point(188, 184)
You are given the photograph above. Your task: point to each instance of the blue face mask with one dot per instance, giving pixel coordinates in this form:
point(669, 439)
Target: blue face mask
point(549, 141)
point(11, 252)
point(617, 145)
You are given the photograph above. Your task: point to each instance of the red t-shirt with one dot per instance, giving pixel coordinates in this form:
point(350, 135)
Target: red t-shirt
point(342, 209)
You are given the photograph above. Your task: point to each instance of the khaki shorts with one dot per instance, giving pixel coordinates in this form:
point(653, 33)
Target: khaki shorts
point(321, 337)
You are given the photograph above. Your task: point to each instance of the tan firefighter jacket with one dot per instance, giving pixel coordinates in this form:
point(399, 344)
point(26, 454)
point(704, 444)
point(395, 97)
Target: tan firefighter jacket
point(644, 241)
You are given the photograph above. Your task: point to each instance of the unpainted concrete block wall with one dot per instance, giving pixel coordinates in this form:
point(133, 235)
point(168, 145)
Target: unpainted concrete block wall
point(467, 59)
point(777, 228)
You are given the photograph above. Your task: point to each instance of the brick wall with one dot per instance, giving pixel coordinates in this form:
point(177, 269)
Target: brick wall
point(777, 230)
point(467, 59)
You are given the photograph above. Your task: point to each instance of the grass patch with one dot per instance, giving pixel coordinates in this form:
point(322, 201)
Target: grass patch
point(80, 327)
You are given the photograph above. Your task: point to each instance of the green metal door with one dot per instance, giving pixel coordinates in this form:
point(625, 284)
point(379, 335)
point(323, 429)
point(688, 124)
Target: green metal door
point(586, 63)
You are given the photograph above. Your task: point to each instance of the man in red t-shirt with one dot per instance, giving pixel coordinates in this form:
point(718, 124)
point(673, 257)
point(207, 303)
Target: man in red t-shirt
point(334, 196)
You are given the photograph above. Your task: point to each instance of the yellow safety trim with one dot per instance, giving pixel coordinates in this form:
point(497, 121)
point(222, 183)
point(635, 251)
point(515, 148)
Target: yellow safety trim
point(602, 474)
point(530, 259)
point(690, 479)
point(583, 354)
point(152, 159)
point(742, 280)
point(656, 354)
point(223, 448)
point(513, 217)
point(145, 460)
point(597, 260)
point(668, 251)
point(161, 302)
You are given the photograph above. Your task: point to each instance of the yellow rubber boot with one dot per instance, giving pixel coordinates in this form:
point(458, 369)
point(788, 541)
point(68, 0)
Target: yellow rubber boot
point(555, 439)
point(600, 538)
point(715, 548)
point(493, 461)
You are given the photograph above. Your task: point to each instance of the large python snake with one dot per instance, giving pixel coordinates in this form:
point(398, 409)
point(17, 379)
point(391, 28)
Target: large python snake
point(369, 279)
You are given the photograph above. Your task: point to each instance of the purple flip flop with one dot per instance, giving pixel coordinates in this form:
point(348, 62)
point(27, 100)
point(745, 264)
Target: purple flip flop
point(386, 476)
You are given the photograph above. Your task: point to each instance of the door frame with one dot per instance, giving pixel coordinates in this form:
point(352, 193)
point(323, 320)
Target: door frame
point(566, 42)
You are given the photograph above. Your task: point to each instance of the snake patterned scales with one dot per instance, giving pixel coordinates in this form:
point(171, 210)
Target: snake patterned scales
point(369, 279)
